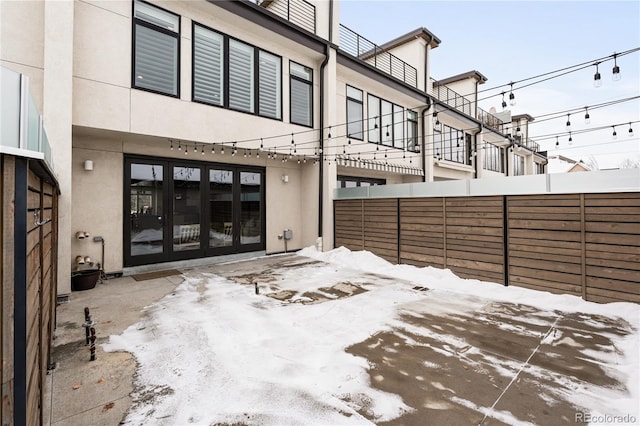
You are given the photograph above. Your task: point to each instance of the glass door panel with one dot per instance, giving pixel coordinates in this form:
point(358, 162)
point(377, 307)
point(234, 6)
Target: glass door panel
point(220, 208)
point(250, 208)
point(146, 209)
point(186, 208)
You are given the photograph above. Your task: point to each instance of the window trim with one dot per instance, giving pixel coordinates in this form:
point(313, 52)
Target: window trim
point(177, 35)
point(310, 84)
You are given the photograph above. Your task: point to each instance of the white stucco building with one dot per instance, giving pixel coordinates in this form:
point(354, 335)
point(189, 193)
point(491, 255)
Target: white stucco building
point(189, 129)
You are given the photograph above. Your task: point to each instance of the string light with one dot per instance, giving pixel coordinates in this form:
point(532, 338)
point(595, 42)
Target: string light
point(597, 81)
point(170, 140)
point(504, 103)
point(512, 97)
point(557, 142)
point(630, 132)
point(570, 139)
point(213, 149)
point(179, 146)
point(568, 121)
point(587, 118)
point(614, 135)
point(616, 76)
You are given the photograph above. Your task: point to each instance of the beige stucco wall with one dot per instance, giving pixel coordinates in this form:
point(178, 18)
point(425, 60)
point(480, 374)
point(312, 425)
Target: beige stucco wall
point(98, 194)
point(97, 202)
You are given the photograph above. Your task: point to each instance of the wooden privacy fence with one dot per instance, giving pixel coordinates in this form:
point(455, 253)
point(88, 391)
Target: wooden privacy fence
point(586, 245)
point(28, 259)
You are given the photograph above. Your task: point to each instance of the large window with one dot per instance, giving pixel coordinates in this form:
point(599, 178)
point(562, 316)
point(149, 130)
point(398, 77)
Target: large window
point(235, 75)
point(493, 158)
point(156, 36)
point(301, 92)
point(354, 113)
point(385, 121)
point(452, 145)
point(412, 131)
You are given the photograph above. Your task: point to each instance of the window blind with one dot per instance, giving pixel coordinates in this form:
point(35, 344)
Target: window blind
point(208, 66)
point(269, 85)
point(156, 61)
point(241, 84)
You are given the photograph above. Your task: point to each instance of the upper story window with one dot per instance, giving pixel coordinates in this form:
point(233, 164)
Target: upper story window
point(301, 93)
point(386, 122)
point(208, 66)
point(156, 52)
point(518, 165)
point(236, 75)
point(539, 168)
point(269, 85)
point(354, 113)
point(493, 158)
point(412, 131)
point(241, 78)
point(452, 145)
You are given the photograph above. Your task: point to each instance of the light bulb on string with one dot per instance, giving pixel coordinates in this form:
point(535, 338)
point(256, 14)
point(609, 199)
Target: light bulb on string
point(179, 146)
point(630, 132)
point(504, 103)
point(512, 97)
point(570, 139)
point(614, 135)
point(616, 76)
point(213, 149)
point(171, 144)
point(597, 79)
point(568, 121)
point(557, 142)
point(587, 117)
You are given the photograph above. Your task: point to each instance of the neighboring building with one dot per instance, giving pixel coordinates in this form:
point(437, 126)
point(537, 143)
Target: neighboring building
point(562, 164)
point(188, 129)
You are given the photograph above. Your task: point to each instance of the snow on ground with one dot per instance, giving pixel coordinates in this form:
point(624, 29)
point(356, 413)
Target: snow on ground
point(215, 352)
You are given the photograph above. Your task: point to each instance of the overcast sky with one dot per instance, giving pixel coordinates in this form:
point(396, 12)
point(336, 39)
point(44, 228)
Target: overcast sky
point(511, 41)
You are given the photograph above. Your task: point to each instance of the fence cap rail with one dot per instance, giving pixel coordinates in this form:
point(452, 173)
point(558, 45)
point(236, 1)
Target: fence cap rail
point(623, 180)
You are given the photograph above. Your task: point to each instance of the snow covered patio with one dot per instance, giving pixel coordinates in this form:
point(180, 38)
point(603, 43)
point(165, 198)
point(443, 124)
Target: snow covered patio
point(347, 338)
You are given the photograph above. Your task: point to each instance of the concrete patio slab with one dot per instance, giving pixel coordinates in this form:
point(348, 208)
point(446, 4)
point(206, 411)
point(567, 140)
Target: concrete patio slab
point(454, 359)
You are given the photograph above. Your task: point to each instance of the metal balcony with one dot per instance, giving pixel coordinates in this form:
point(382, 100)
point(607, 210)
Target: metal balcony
point(298, 12)
point(367, 51)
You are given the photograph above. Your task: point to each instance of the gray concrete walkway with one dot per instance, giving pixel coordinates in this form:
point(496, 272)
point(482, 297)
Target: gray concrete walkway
point(83, 392)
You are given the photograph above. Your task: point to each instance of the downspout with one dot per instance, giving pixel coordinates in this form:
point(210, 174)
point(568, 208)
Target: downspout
point(424, 140)
point(321, 151)
point(428, 106)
